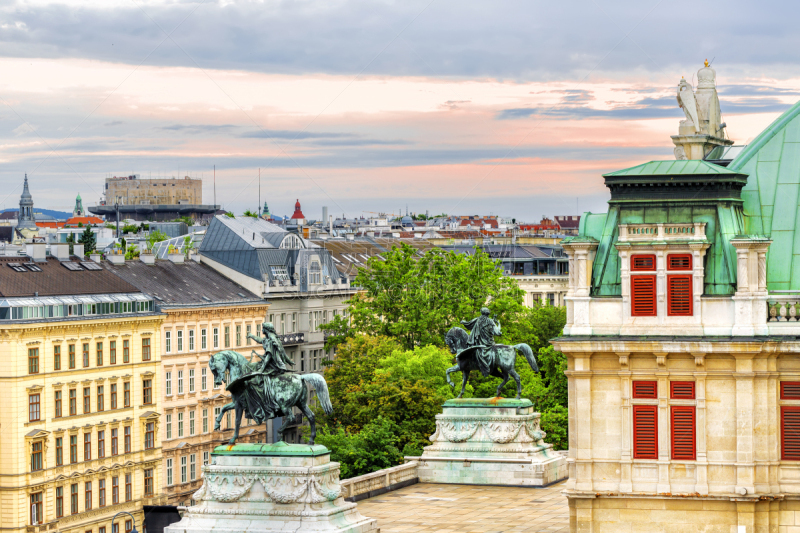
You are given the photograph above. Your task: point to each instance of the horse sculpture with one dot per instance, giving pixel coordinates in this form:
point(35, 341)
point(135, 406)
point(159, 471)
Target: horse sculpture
point(503, 365)
point(246, 386)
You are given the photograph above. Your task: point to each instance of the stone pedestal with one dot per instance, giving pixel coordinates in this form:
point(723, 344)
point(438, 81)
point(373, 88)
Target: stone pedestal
point(696, 146)
point(491, 441)
point(272, 488)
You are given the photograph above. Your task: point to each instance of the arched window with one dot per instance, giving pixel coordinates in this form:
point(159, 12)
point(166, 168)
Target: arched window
point(291, 242)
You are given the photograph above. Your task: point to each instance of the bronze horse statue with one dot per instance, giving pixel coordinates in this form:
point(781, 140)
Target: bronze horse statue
point(504, 358)
point(246, 386)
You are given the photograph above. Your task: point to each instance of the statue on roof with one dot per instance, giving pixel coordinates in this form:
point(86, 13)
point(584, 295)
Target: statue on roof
point(688, 104)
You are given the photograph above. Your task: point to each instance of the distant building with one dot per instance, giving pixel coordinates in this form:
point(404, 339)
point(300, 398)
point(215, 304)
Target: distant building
point(350, 255)
point(78, 210)
point(569, 224)
point(297, 217)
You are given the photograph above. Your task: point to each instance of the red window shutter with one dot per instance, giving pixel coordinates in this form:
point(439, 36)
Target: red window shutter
point(790, 433)
point(681, 390)
point(643, 262)
point(790, 390)
point(643, 296)
point(683, 432)
point(645, 432)
point(679, 262)
point(645, 389)
point(679, 296)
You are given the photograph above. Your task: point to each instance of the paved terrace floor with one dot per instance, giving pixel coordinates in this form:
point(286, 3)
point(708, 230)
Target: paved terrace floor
point(469, 508)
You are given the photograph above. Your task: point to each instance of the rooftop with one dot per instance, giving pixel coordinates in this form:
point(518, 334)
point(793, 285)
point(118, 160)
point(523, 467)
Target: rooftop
point(53, 278)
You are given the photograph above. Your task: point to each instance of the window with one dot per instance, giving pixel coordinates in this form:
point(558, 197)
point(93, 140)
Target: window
point(114, 441)
point(126, 394)
point(205, 458)
point(99, 349)
point(314, 273)
point(279, 273)
point(203, 339)
point(127, 436)
point(56, 357)
point(183, 469)
point(191, 423)
point(180, 381)
point(73, 402)
point(34, 413)
point(85, 355)
point(87, 400)
point(193, 467)
point(87, 488)
point(101, 492)
point(790, 390)
point(169, 472)
point(128, 526)
point(191, 340)
point(191, 380)
point(238, 335)
point(215, 333)
point(73, 449)
point(645, 389)
point(59, 502)
point(112, 352)
point(58, 404)
point(167, 341)
point(180, 425)
point(101, 444)
point(679, 295)
point(180, 340)
point(168, 383)
point(205, 420)
point(645, 432)
point(643, 296)
point(59, 451)
point(147, 391)
point(114, 490)
point(681, 390)
point(114, 396)
point(36, 456)
point(248, 332)
point(71, 352)
point(87, 446)
point(217, 411)
point(149, 436)
point(36, 508)
point(101, 398)
point(168, 424)
point(128, 488)
point(790, 432)
point(679, 262)
point(126, 351)
point(294, 323)
point(146, 349)
point(204, 379)
point(33, 360)
point(227, 336)
point(643, 263)
point(73, 498)
point(683, 432)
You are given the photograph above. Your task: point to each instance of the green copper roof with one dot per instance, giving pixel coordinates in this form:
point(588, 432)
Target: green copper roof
point(488, 402)
point(279, 449)
point(772, 196)
point(672, 168)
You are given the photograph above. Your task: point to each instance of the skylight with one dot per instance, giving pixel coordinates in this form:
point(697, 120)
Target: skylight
point(69, 265)
point(18, 267)
point(91, 265)
point(33, 267)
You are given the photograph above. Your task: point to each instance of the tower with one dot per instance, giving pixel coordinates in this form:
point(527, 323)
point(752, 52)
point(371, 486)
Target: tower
point(265, 213)
point(25, 217)
point(78, 211)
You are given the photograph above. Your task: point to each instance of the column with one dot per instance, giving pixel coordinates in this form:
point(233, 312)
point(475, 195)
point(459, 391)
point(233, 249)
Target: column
point(744, 378)
point(626, 453)
point(701, 486)
point(583, 422)
point(662, 376)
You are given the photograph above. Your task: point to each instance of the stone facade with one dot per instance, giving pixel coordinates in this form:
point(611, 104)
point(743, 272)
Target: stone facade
point(132, 190)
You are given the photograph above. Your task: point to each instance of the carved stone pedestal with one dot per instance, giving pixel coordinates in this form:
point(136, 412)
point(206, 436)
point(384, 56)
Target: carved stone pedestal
point(490, 441)
point(272, 488)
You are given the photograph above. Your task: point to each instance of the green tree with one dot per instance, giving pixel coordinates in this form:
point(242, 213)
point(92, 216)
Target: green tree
point(156, 236)
point(371, 449)
point(71, 241)
point(130, 228)
point(88, 239)
point(251, 214)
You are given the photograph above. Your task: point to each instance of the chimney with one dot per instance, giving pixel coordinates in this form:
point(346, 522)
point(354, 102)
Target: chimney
point(324, 213)
point(147, 258)
point(37, 251)
point(60, 251)
point(77, 250)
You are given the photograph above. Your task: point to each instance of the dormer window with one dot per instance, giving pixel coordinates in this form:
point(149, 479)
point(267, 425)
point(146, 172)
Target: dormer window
point(679, 286)
point(643, 287)
point(314, 273)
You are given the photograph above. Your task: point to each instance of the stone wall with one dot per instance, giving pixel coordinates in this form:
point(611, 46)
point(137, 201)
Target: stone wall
point(380, 482)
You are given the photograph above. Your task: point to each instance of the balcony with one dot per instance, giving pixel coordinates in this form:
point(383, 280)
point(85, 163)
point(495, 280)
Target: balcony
point(292, 339)
point(662, 232)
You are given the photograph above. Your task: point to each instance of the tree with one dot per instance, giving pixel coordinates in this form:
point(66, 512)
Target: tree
point(88, 239)
point(369, 450)
point(71, 241)
point(251, 214)
point(156, 236)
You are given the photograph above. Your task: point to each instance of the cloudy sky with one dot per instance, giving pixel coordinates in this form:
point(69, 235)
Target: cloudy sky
point(459, 106)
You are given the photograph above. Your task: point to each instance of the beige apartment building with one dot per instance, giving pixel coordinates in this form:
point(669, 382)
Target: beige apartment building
point(79, 424)
point(133, 190)
point(205, 313)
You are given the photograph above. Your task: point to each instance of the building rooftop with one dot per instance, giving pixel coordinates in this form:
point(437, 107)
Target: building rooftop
point(426, 507)
point(53, 278)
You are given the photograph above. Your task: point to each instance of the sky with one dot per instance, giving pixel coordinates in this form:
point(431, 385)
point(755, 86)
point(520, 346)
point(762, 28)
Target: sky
point(512, 108)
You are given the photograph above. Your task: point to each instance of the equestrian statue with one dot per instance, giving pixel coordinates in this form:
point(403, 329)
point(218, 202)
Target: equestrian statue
point(265, 389)
point(478, 351)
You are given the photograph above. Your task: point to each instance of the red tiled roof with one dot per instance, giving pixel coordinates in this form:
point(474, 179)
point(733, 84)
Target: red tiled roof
point(74, 221)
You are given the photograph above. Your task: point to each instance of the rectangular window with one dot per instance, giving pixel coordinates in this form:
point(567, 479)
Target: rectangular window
point(180, 424)
point(204, 379)
point(87, 400)
point(169, 472)
point(180, 381)
point(59, 502)
point(683, 432)
point(73, 402)
point(193, 467)
point(127, 436)
point(99, 354)
point(146, 349)
point(149, 436)
point(168, 383)
point(790, 433)
point(167, 341)
point(183, 469)
point(128, 487)
point(180, 340)
point(645, 432)
point(71, 352)
point(58, 404)
point(114, 441)
point(114, 396)
point(227, 336)
point(36, 456)
point(215, 339)
point(205, 420)
point(56, 357)
point(679, 296)
point(645, 389)
point(101, 398)
point(238, 335)
point(203, 339)
point(36, 509)
point(87, 446)
point(643, 263)
point(191, 423)
point(101, 492)
point(247, 335)
point(643, 296)
point(59, 451)
point(33, 360)
point(112, 352)
point(73, 449)
point(85, 355)
point(790, 390)
point(128, 526)
point(101, 444)
point(148, 482)
point(679, 262)
point(191, 380)
point(87, 488)
point(681, 390)
point(34, 411)
point(191, 340)
point(294, 323)
point(168, 425)
point(73, 498)
point(126, 394)
point(126, 351)
point(114, 490)
point(147, 391)
point(205, 458)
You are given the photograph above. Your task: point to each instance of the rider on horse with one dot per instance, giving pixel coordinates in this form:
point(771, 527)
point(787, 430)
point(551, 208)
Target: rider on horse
point(481, 340)
point(273, 362)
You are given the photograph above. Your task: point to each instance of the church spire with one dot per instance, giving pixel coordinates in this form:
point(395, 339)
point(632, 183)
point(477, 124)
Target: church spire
point(25, 216)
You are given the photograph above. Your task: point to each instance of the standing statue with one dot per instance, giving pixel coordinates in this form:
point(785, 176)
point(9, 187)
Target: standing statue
point(478, 351)
point(688, 104)
point(266, 389)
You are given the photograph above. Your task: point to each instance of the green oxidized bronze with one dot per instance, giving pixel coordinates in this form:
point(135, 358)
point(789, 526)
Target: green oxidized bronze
point(478, 351)
point(266, 389)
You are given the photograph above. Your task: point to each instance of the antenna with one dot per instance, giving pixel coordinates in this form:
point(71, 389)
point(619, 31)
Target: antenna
point(215, 186)
point(259, 190)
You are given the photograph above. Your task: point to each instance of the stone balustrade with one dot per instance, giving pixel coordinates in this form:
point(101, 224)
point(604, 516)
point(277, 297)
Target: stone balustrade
point(783, 308)
point(380, 482)
point(661, 232)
